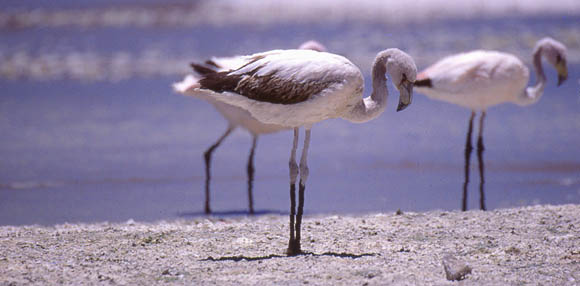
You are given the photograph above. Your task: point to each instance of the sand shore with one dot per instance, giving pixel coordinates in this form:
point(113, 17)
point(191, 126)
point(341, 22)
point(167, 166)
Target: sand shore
point(537, 245)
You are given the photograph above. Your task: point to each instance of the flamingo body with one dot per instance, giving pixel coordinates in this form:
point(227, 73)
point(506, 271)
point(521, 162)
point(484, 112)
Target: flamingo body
point(296, 87)
point(236, 116)
point(476, 80)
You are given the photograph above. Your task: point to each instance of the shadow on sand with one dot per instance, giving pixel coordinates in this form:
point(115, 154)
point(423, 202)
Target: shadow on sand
point(257, 258)
point(232, 213)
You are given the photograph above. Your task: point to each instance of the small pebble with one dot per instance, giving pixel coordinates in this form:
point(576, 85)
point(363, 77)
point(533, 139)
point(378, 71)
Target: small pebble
point(455, 269)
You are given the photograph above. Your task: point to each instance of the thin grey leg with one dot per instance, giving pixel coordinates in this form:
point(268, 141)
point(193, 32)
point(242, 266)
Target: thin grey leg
point(293, 175)
point(292, 163)
point(468, 149)
point(480, 150)
point(207, 158)
point(251, 174)
point(304, 172)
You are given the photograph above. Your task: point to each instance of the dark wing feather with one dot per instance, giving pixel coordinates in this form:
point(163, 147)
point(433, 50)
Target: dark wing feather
point(270, 87)
point(212, 63)
point(201, 69)
point(423, 82)
point(220, 82)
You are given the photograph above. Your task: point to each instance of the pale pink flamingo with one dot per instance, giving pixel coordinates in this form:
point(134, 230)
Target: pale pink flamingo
point(480, 79)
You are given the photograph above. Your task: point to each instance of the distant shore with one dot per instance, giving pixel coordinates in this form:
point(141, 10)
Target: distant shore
point(523, 246)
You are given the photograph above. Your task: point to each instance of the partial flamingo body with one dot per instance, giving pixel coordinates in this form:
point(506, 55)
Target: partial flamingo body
point(236, 117)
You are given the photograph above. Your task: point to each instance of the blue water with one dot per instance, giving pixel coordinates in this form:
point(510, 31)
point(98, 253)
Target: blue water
point(84, 151)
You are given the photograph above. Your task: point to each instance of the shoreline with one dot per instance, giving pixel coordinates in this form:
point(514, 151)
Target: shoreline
point(527, 245)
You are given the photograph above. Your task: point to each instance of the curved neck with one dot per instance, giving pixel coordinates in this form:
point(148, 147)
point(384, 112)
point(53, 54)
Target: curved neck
point(533, 93)
point(371, 107)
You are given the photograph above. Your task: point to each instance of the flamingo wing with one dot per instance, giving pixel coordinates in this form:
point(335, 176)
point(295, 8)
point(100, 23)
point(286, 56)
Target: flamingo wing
point(282, 77)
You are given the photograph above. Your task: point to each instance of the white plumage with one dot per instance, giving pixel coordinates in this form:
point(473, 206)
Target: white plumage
point(476, 80)
point(295, 70)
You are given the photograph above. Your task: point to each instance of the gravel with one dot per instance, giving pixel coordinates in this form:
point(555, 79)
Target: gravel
point(537, 245)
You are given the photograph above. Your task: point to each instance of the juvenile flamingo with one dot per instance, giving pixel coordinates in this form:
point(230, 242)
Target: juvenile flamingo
point(297, 88)
point(480, 79)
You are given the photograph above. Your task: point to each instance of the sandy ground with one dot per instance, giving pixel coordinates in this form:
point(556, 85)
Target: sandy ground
point(537, 245)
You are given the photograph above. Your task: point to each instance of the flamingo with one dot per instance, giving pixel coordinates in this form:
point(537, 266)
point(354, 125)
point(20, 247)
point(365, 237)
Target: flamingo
point(297, 88)
point(481, 79)
point(237, 117)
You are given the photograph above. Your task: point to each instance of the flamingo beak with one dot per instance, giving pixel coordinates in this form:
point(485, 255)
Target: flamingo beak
point(405, 94)
point(562, 70)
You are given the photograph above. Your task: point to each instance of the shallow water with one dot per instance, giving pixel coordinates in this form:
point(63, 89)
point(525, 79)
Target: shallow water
point(111, 141)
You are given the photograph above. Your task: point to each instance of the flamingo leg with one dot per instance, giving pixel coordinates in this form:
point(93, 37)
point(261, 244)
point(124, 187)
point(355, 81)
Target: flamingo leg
point(480, 150)
point(293, 175)
point(207, 157)
point(251, 174)
point(304, 172)
point(468, 149)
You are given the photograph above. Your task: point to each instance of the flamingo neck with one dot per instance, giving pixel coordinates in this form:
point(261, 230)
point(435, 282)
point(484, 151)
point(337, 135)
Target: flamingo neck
point(533, 93)
point(371, 107)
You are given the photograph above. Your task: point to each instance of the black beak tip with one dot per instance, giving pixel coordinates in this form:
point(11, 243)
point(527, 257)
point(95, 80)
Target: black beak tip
point(561, 80)
point(401, 106)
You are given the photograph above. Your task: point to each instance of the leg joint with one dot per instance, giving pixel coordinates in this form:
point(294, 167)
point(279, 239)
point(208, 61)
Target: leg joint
point(293, 171)
point(304, 172)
